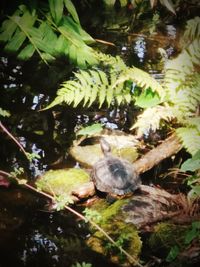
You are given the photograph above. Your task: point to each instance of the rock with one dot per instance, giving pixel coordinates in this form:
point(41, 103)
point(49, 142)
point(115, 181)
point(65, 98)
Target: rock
point(87, 152)
point(64, 182)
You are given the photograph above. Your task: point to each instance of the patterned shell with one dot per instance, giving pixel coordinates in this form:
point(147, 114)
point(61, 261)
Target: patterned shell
point(114, 175)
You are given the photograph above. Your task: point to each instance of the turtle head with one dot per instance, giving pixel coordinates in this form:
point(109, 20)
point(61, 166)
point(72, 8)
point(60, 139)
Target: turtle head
point(105, 146)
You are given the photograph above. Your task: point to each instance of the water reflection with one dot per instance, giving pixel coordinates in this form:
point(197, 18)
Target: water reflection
point(139, 48)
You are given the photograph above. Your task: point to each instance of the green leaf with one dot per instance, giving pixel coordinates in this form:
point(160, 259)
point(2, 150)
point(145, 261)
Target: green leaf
point(90, 130)
point(192, 234)
point(7, 30)
point(191, 165)
point(4, 113)
point(26, 52)
point(174, 251)
point(169, 5)
point(56, 8)
point(148, 99)
point(16, 41)
point(70, 7)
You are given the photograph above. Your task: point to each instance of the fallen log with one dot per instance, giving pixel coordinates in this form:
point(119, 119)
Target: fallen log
point(169, 147)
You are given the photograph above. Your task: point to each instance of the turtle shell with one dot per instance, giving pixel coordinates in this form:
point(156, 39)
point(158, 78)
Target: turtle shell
point(114, 175)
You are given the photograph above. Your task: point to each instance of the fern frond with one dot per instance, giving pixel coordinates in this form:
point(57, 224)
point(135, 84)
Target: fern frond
point(111, 86)
point(190, 138)
point(90, 86)
point(192, 30)
point(150, 119)
point(142, 79)
point(178, 69)
point(185, 97)
point(194, 122)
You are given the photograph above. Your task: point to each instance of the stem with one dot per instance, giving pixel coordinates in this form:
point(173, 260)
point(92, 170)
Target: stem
point(13, 138)
point(79, 215)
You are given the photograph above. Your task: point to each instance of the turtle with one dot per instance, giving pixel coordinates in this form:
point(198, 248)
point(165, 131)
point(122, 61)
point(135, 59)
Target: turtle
point(113, 175)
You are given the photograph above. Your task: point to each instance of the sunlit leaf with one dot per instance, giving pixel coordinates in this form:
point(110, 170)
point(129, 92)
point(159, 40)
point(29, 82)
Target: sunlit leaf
point(192, 164)
point(90, 130)
point(4, 113)
point(56, 8)
point(147, 99)
point(26, 52)
point(16, 41)
point(169, 5)
point(70, 7)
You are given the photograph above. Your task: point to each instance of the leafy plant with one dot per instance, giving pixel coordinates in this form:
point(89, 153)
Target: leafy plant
point(61, 201)
point(111, 86)
point(181, 84)
point(193, 165)
point(82, 264)
point(48, 32)
point(192, 233)
point(92, 215)
point(4, 113)
point(90, 130)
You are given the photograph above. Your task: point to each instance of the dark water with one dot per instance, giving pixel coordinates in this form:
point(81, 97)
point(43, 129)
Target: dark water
point(32, 236)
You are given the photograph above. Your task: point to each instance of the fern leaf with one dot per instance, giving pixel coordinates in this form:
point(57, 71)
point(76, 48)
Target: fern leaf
point(190, 138)
point(150, 119)
point(102, 88)
point(141, 78)
point(192, 30)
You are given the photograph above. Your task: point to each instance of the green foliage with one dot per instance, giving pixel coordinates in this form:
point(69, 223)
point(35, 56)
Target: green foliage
point(61, 201)
point(192, 233)
point(17, 172)
point(31, 156)
point(173, 253)
point(49, 32)
point(192, 30)
point(92, 215)
point(192, 164)
point(82, 264)
point(4, 113)
point(150, 119)
point(190, 138)
point(181, 84)
point(112, 86)
point(90, 130)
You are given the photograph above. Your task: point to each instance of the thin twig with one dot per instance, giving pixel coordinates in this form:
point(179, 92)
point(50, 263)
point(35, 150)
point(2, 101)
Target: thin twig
point(13, 138)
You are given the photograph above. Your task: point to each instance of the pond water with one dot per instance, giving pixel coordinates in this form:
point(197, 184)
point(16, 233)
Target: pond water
point(31, 235)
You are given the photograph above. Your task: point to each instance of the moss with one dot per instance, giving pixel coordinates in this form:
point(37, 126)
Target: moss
point(167, 235)
point(62, 182)
point(125, 235)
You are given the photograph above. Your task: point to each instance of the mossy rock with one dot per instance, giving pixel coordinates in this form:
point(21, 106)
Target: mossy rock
point(88, 155)
point(125, 235)
point(62, 182)
point(167, 235)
